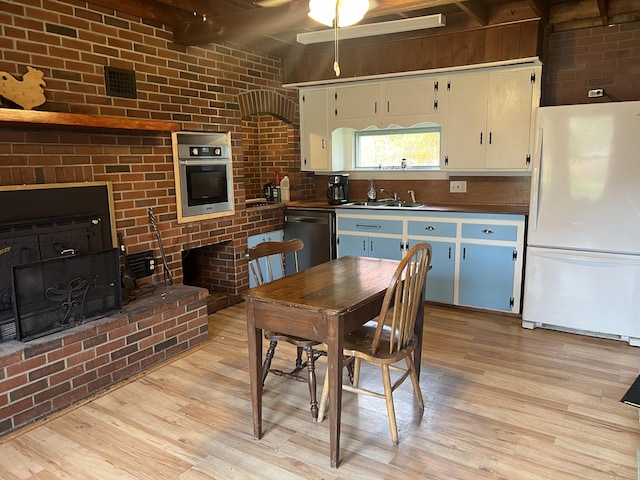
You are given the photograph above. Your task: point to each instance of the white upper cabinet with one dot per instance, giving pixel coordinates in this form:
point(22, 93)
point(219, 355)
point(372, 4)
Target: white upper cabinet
point(490, 120)
point(403, 102)
point(407, 102)
point(356, 103)
point(487, 116)
point(315, 137)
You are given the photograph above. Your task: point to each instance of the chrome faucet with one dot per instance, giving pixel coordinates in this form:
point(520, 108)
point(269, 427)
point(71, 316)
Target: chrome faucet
point(394, 195)
point(413, 195)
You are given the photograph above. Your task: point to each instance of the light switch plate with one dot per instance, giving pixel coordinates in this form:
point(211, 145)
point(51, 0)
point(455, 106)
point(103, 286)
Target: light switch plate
point(458, 186)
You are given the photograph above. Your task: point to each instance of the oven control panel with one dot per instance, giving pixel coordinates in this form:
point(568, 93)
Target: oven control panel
point(201, 151)
point(199, 146)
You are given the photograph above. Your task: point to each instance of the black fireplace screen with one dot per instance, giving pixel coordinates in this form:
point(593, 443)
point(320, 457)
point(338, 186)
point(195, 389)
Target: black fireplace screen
point(56, 294)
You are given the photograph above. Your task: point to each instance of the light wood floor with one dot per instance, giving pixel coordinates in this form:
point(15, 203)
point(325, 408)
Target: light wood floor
point(501, 402)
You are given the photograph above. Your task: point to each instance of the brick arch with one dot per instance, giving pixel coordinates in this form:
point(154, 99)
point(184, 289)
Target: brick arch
point(264, 101)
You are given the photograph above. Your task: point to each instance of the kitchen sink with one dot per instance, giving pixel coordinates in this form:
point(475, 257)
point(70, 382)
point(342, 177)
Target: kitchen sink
point(384, 204)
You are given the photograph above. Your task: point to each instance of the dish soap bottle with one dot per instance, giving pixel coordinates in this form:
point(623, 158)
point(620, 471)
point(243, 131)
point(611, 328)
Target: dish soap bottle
point(371, 194)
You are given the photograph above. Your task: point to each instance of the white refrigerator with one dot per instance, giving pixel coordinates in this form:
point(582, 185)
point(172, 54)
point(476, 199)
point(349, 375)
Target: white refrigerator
point(582, 270)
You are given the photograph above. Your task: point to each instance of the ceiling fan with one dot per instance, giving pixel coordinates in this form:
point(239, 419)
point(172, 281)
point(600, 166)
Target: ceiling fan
point(339, 13)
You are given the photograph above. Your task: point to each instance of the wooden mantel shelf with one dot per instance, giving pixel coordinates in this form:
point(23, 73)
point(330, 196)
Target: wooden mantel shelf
point(36, 118)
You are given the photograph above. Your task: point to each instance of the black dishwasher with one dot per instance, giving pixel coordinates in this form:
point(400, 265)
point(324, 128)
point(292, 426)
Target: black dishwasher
point(317, 229)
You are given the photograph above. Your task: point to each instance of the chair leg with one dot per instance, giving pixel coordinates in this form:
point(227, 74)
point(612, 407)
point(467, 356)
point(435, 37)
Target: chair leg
point(311, 367)
point(267, 360)
point(324, 399)
point(356, 371)
point(388, 395)
point(415, 381)
point(299, 363)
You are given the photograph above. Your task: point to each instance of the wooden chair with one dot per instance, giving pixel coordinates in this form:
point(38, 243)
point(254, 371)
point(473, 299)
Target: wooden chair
point(390, 337)
point(267, 263)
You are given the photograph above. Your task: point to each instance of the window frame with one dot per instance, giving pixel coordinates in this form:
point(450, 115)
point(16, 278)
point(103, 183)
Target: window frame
point(432, 128)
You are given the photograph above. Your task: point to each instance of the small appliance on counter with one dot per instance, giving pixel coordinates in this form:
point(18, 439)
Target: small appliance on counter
point(338, 191)
point(270, 192)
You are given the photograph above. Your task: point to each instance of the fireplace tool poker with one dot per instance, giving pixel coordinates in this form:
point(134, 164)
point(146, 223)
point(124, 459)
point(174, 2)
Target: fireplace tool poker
point(168, 278)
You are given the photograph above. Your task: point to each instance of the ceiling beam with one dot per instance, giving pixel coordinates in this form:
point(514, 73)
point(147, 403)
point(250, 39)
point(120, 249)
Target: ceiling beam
point(259, 22)
point(602, 8)
point(477, 10)
point(396, 7)
point(540, 8)
point(291, 17)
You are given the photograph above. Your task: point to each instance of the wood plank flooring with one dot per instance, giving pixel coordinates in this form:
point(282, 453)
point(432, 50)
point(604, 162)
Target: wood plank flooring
point(501, 402)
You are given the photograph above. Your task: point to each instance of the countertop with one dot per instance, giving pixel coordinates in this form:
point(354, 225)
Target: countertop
point(465, 208)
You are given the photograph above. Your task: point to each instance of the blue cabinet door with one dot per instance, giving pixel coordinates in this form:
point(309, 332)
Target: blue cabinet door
point(355, 245)
point(389, 248)
point(377, 247)
point(441, 278)
point(486, 276)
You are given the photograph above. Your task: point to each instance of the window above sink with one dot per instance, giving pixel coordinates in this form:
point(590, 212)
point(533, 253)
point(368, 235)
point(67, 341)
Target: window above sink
point(415, 148)
point(378, 153)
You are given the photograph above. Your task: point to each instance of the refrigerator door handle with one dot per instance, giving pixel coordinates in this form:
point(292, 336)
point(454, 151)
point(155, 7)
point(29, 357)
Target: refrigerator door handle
point(535, 182)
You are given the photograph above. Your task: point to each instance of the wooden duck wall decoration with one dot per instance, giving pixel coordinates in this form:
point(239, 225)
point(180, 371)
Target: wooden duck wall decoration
point(27, 93)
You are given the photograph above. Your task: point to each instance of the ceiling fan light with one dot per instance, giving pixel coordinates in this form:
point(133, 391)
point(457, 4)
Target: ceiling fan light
point(322, 11)
point(350, 12)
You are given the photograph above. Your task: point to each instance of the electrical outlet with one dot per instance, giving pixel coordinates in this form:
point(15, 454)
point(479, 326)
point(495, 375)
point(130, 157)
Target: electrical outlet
point(596, 92)
point(458, 186)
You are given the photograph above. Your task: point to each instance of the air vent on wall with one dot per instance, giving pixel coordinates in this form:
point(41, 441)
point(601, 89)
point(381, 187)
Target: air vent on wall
point(120, 82)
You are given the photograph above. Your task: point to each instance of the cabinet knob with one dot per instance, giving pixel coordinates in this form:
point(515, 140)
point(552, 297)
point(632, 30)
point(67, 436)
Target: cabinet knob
point(431, 228)
point(487, 231)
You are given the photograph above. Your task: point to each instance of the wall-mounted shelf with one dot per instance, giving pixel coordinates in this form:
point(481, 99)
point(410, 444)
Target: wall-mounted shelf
point(10, 118)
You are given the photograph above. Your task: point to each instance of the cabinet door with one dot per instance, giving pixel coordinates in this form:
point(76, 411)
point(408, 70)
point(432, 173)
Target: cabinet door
point(376, 247)
point(486, 276)
point(466, 122)
point(356, 245)
point(441, 278)
point(356, 102)
point(489, 120)
point(509, 115)
point(409, 97)
point(382, 247)
point(315, 146)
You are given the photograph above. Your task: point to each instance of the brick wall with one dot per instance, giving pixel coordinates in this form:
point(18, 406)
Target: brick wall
point(599, 57)
point(270, 145)
point(50, 373)
point(203, 88)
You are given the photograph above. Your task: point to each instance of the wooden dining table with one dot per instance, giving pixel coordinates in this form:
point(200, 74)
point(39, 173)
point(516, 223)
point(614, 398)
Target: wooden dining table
point(321, 303)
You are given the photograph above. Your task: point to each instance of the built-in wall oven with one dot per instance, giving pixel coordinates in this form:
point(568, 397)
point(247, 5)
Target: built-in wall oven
point(204, 175)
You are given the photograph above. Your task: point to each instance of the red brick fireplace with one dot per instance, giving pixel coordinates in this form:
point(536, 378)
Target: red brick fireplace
point(66, 349)
point(50, 373)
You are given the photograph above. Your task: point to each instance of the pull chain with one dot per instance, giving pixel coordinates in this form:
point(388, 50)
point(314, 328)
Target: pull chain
point(336, 65)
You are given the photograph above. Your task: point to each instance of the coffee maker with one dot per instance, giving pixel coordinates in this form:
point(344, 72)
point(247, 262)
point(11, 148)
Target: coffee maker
point(338, 191)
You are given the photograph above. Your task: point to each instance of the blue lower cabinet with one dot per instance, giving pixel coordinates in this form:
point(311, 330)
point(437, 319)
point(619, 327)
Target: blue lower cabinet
point(486, 276)
point(377, 247)
point(441, 278)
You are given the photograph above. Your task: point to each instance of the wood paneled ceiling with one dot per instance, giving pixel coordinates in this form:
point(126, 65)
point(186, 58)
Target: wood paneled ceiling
point(273, 29)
